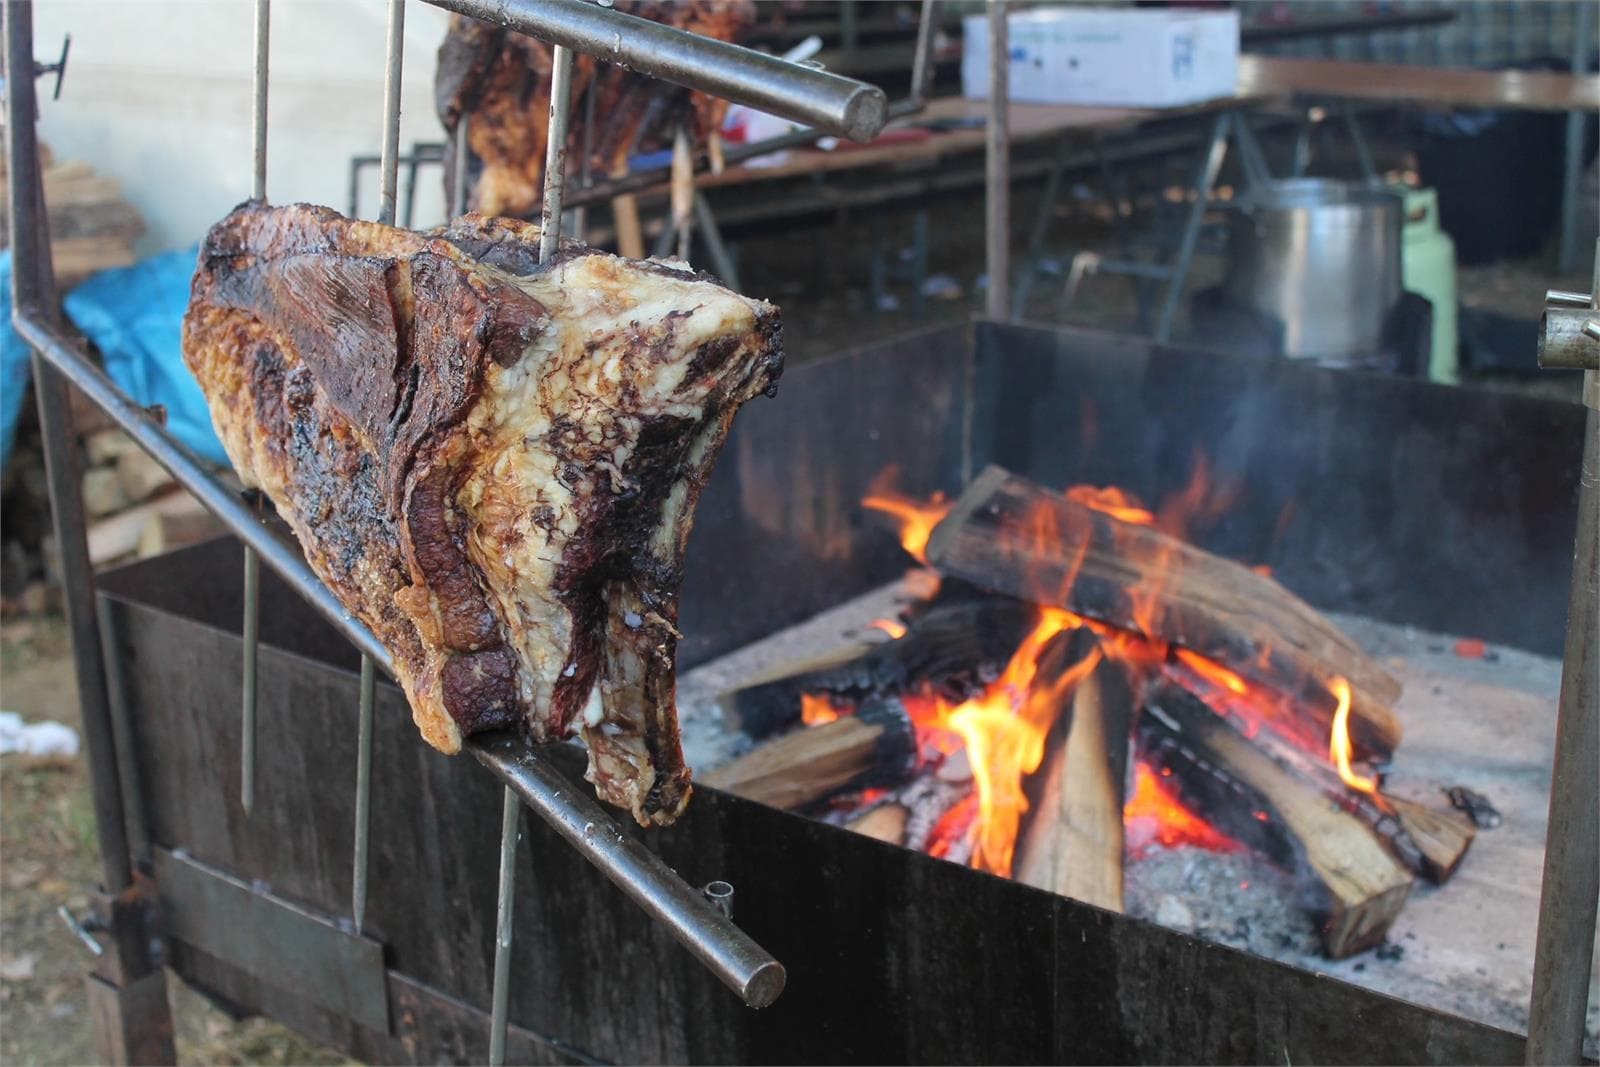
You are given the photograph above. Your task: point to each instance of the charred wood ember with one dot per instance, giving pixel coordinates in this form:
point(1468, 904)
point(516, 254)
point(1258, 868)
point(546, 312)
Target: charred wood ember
point(492, 463)
point(955, 647)
point(1478, 807)
point(497, 83)
point(1428, 842)
point(1351, 879)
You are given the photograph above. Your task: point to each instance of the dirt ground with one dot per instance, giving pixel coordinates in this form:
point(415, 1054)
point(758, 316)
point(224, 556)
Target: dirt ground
point(47, 856)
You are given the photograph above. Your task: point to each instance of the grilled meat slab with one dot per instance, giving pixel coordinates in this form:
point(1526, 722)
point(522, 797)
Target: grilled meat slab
point(498, 83)
point(493, 464)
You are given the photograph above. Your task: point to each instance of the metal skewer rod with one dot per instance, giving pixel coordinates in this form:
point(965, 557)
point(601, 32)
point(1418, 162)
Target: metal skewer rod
point(358, 882)
point(252, 563)
point(389, 183)
point(504, 919)
point(390, 166)
point(555, 164)
point(834, 104)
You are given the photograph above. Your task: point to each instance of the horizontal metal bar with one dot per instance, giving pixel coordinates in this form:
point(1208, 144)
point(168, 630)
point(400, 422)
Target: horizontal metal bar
point(194, 474)
point(730, 953)
point(727, 951)
point(832, 103)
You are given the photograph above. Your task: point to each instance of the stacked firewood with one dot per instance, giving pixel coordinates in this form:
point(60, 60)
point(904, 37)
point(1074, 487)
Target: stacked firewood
point(133, 506)
point(92, 226)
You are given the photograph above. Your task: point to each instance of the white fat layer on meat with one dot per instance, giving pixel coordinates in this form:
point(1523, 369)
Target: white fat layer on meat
point(605, 313)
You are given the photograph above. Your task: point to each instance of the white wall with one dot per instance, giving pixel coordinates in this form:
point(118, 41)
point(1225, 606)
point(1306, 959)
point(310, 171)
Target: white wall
point(158, 95)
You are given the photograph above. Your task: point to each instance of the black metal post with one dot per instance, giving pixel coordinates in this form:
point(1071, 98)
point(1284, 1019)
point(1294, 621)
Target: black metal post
point(126, 989)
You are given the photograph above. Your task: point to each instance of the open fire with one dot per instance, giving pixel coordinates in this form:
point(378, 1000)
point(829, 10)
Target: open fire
point(1074, 681)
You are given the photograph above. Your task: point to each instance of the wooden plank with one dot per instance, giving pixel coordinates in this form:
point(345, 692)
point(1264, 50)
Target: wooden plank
point(1010, 535)
point(1522, 90)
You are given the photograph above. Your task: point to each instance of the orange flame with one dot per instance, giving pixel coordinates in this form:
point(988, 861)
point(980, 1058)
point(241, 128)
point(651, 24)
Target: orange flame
point(1339, 747)
point(893, 627)
point(1154, 815)
point(1212, 671)
point(1117, 503)
point(916, 518)
point(1005, 728)
point(816, 709)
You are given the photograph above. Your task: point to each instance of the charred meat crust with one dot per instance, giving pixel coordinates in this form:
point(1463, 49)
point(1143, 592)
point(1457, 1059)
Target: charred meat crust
point(501, 491)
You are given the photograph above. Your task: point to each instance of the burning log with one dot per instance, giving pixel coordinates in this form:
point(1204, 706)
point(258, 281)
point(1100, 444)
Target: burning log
point(1014, 537)
point(1359, 886)
point(875, 746)
point(955, 646)
point(1074, 842)
point(1427, 842)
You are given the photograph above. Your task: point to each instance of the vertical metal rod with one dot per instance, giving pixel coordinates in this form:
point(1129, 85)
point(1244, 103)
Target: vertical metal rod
point(722, 261)
point(682, 192)
point(555, 156)
point(1570, 890)
point(849, 25)
point(1563, 953)
point(1041, 224)
point(247, 724)
point(458, 187)
point(1572, 170)
point(505, 909)
point(1204, 179)
point(390, 169)
point(252, 563)
point(1359, 140)
point(122, 737)
point(997, 166)
point(390, 164)
point(922, 59)
point(358, 881)
point(263, 36)
point(555, 164)
point(33, 290)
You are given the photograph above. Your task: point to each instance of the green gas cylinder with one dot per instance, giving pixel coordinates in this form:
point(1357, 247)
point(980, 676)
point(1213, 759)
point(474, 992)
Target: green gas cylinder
point(1428, 268)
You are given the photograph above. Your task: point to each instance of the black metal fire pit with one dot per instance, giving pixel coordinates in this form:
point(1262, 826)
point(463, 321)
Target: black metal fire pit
point(1400, 500)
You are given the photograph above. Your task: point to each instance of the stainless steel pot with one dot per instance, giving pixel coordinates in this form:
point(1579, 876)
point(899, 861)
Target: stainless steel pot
point(1323, 258)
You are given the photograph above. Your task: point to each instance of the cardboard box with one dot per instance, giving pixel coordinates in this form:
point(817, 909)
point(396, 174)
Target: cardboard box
point(1109, 56)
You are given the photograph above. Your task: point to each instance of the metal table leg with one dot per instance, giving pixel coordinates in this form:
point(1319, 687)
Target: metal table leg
point(1205, 178)
point(1041, 226)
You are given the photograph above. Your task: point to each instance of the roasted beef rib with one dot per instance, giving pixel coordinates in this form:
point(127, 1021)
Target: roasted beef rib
point(492, 463)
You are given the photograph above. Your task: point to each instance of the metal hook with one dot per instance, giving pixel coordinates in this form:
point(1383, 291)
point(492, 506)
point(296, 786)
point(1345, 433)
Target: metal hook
point(58, 68)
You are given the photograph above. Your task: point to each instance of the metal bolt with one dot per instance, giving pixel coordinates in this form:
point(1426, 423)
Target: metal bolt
point(720, 894)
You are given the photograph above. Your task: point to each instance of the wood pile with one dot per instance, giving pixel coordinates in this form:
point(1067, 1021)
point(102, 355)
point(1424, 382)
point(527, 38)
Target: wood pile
point(92, 226)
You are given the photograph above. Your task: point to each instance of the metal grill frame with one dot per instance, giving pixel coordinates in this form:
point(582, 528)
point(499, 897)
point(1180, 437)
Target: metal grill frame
point(133, 1007)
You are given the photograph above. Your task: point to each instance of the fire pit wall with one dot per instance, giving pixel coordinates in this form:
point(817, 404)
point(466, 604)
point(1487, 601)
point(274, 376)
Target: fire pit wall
point(1448, 509)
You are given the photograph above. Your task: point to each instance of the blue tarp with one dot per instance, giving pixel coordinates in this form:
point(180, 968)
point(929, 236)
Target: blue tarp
point(13, 366)
point(134, 316)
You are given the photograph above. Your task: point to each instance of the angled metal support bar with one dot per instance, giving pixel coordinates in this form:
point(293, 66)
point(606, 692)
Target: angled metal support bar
point(727, 951)
point(833, 104)
point(192, 472)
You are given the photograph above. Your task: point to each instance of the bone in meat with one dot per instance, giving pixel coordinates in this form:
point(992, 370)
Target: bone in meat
point(492, 463)
point(498, 84)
